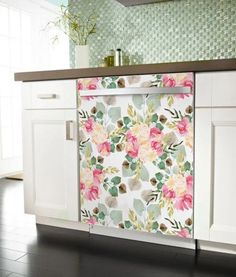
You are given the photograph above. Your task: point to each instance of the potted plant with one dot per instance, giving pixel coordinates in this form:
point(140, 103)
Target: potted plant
point(78, 27)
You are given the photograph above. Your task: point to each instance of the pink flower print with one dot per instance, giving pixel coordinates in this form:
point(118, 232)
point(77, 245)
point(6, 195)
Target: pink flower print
point(183, 126)
point(88, 98)
point(93, 84)
point(184, 203)
point(189, 182)
point(89, 125)
point(97, 176)
point(157, 146)
point(168, 193)
point(92, 220)
point(132, 146)
point(130, 137)
point(80, 85)
point(188, 83)
point(92, 193)
point(182, 95)
point(104, 148)
point(168, 81)
point(82, 186)
point(154, 132)
point(184, 233)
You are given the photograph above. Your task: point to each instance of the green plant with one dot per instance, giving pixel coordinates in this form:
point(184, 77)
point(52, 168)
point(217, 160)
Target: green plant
point(76, 25)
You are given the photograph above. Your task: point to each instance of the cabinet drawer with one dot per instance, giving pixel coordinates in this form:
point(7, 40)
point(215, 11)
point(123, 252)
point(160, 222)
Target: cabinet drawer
point(49, 95)
point(216, 89)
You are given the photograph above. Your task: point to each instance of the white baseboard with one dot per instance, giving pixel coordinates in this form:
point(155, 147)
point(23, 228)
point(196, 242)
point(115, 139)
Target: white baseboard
point(62, 223)
point(217, 247)
point(144, 237)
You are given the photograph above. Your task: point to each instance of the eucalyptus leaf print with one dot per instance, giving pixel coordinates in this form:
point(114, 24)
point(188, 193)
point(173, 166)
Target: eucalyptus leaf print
point(136, 155)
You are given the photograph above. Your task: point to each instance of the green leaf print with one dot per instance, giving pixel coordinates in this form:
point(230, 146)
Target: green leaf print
point(113, 191)
point(155, 225)
point(139, 206)
point(126, 120)
point(93, 161)
point(153, 102)
point(159, 176)
point(100, 107)
point(154, 210)
point(100, 115)
point(144, 174)
point(187, 166)
point(116, 180)
point(101, 215)
point(154, 118)
point(128, 224)
point(127, 172)
point(102, 208)
point(138, 101)
point(115, 139)
point(161, 165)
point(114, 113)
point(112, 85)
point(116, 216)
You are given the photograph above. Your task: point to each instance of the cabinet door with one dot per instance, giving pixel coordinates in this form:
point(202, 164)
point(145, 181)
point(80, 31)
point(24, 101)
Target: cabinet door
point(50, 163)
point(215, 185)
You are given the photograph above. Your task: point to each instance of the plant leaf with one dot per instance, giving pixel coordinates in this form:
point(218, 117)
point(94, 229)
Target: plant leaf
point(128, 224)
point(153, 102)
point(102, 208)
point(113, 191)
point(139, 206)
point(138, 101)
point(116, 216)
point(116, 180)
point(100, 107)
point(114, 113)
point(154, 210)
point(144, 174)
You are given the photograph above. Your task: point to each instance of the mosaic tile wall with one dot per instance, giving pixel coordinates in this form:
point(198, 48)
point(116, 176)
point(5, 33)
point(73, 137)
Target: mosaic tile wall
point(178, 30)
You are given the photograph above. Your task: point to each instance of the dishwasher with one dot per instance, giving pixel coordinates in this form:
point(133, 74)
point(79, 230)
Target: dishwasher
point(136, 152)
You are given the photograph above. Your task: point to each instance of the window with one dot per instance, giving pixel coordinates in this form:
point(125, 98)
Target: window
point(24, 46)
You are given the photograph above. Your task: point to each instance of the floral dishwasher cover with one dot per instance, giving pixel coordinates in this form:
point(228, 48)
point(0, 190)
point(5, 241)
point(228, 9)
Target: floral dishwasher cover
point(136, 152)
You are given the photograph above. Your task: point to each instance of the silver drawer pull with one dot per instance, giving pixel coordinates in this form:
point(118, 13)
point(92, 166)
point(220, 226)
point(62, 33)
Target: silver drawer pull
point(47, 96)
point(69, 130)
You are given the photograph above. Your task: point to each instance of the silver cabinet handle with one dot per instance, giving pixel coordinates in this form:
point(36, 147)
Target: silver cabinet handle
point(69, 130)
point(134, 91)
point(47, 96)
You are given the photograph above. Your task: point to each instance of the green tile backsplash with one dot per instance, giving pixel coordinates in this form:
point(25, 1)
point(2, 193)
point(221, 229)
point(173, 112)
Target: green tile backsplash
point(178, 30)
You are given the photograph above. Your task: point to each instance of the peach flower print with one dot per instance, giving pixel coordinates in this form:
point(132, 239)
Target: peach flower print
point(104, 148)
point(99, 134)
point(146, 153)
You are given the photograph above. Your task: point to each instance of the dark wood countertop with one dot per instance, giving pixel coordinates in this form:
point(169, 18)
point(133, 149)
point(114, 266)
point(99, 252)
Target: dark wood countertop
point(194, 66)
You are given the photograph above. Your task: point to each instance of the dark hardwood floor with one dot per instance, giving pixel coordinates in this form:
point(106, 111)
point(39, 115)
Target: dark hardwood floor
point(51, 252)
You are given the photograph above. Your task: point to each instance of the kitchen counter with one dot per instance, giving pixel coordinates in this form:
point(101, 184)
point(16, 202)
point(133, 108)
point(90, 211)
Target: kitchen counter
point(194, 66)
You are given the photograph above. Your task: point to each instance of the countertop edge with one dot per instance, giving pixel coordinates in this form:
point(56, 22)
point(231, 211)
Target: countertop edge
point(174, 67)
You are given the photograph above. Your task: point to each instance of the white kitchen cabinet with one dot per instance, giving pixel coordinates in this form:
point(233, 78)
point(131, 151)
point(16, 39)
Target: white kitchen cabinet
point(215, 160)
point(51, 154)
